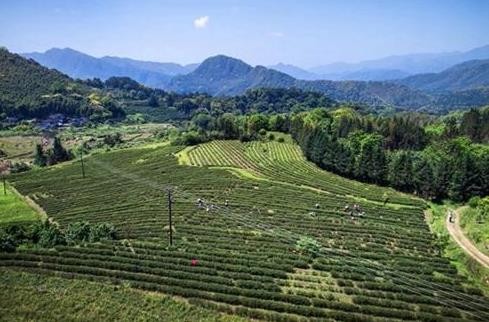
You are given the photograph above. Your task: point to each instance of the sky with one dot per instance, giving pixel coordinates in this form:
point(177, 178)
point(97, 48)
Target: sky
point(305, 33)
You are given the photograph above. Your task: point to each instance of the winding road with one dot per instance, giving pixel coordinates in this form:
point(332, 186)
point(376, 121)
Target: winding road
point(458, 235)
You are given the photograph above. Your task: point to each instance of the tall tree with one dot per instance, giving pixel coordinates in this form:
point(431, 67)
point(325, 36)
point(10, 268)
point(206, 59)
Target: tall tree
point(40, 158)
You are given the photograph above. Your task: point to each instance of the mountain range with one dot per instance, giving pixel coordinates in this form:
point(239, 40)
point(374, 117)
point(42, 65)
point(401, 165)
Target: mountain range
point(398, 66)
point(155, 74)
point(462, 85)
point(79, 65)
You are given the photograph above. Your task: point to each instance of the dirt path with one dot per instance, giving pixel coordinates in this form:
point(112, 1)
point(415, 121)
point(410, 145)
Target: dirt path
point(458, 235)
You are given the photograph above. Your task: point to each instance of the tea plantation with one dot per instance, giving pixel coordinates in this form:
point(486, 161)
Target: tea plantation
point(236, 250)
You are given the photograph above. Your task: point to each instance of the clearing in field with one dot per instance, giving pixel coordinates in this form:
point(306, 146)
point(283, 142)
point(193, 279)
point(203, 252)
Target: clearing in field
point(266, 249)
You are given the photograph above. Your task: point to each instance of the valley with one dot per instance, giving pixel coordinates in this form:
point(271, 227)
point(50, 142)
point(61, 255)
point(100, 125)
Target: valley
point(282, 161)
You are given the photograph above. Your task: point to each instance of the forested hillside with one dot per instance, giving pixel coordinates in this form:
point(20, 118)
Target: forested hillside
point(28, 89)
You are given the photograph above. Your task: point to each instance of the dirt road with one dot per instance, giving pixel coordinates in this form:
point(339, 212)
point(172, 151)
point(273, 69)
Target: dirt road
point(458, 235)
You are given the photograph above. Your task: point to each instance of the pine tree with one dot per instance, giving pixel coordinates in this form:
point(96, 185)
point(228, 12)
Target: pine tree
point(39, 156)
point(423, 178)
point(58, 153)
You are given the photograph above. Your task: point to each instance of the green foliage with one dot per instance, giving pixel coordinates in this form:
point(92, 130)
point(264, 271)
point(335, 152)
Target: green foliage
point(48, 234)
point(474, 202)
point(83, 232)
point(386, 151)
point(58, 153)
point(112, 139)
point(8, 243)
point(483, 209)
point(308, 246)
point(40, 158)
point(153, 101)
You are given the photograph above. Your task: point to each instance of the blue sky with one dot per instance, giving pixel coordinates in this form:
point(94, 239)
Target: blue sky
point(302, 32)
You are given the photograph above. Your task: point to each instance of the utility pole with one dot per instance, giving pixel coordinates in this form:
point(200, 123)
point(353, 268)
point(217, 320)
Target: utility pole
point(4, 171)
point(169, 215)
point(81, 159)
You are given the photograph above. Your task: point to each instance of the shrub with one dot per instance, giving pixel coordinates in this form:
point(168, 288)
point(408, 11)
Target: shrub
point(18, 167)
point(7, 242)
point(48, 234)
point(78, 232)
point(103, 231)
point(308, 246)
point(281, 140)
point(271, 136)
point(474, 201)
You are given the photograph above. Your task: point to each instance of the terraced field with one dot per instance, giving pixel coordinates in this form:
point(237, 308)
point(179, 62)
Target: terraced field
point(284, 162)
point(240, 256)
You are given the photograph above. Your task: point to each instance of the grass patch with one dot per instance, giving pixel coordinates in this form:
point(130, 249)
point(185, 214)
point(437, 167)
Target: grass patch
point(477, 232)
point(14, 209)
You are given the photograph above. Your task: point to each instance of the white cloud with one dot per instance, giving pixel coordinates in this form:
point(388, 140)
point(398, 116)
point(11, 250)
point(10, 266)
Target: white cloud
point(277, 34)
point(201, 22)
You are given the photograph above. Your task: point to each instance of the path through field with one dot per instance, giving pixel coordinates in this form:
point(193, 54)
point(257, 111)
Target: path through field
point(456, 232)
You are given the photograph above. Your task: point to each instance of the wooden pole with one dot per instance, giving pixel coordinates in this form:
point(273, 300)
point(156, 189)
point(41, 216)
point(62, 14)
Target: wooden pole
point(82, 164)
point(169, 217)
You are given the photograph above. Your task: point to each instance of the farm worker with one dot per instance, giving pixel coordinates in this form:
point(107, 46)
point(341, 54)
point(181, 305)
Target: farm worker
point(226, 203)
point(346, 208)
point(194, 262)
point(317, 206)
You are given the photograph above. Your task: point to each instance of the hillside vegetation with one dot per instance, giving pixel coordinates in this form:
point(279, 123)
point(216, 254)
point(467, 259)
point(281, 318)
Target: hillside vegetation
point(28, 90)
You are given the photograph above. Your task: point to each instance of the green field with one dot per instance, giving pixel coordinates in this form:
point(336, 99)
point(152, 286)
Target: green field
point(19, 148)
point(13, 209)
point(383, 265)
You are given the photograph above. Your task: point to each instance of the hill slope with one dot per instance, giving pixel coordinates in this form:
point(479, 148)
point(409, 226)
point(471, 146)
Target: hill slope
point(222, 75)
point(468, 75)
point(24, 81)
point(28, 89)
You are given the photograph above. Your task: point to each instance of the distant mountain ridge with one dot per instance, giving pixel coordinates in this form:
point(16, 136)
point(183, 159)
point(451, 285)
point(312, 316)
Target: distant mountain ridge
point(465, 76)
point(408, 64)
point(222, 75)
point(462, 85)
point(79, 65)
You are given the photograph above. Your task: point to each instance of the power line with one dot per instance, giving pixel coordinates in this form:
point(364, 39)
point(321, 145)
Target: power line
point(406, 280)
